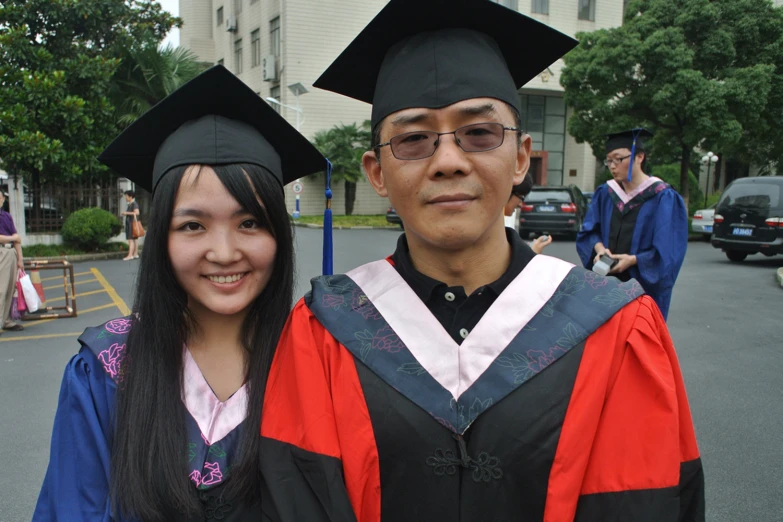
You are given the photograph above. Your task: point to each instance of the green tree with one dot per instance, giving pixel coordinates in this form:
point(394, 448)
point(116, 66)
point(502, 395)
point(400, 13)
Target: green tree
point(344, 146)
point(147, 74)
point(699, 73)
point(57, 59)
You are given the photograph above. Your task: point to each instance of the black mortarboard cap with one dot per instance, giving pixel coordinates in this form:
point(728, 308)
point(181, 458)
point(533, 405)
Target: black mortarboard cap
point(625, 139)
point(214, 119)
point(524, 188)
point(433, 53)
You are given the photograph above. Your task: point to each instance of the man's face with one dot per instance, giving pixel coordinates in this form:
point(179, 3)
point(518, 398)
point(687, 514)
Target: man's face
point(618, 161)
point(453, 198)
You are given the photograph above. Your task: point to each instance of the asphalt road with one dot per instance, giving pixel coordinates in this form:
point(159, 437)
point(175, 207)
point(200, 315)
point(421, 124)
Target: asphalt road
point(725, 320)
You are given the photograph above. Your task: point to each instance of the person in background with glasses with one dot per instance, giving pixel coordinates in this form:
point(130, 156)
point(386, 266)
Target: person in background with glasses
point(463, 377)
point(638, 220)
point(511, 213)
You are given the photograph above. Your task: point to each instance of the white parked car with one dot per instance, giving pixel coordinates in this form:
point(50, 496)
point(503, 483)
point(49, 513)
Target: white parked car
point(703, 221)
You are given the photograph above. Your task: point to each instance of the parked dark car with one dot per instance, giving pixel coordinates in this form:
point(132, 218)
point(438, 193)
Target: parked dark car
point(552, 210)
point(392, 217)
point(749, 218)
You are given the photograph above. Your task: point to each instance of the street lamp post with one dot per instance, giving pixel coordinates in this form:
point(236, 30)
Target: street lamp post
point(708, 159)
point(295, 109)
point(297, 89)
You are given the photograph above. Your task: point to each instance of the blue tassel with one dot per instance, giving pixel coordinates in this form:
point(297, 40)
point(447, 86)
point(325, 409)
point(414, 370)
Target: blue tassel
point(328, 261)
point(636, 133)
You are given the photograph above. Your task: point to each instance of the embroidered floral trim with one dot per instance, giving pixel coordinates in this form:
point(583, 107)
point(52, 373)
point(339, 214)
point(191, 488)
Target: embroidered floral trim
point(112, 359)
point(211, 476)
point(118, 326)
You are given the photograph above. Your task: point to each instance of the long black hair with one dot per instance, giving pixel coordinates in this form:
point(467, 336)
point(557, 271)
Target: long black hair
point(149, 478)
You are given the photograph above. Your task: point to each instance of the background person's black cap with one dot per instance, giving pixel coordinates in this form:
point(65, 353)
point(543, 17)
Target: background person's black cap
point(214, 119)
point(433, 53)
point(626, 139)
point(524, 188)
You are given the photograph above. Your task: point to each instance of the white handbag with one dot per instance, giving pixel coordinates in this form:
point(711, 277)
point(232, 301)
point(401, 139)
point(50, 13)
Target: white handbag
point(31, 298)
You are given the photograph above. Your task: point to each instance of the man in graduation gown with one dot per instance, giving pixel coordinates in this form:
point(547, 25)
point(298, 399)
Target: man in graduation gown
point(637, 219)
point(465, 378)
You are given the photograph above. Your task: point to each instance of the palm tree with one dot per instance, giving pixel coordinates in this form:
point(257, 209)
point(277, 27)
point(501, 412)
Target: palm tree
point(344, 146)
point(148, 74)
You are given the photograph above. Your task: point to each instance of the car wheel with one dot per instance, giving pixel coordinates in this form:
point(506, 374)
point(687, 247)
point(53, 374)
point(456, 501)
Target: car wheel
point(735, 256)
point(707, 237)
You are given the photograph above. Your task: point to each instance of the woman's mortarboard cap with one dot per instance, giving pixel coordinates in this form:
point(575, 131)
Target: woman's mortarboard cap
point(433, 53)
point(214, 119)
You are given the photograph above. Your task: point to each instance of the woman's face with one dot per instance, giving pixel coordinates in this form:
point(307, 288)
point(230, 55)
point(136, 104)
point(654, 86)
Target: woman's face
point(220, 255)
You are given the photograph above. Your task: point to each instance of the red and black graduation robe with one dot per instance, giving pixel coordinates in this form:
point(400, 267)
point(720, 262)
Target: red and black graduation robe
point(565, 402)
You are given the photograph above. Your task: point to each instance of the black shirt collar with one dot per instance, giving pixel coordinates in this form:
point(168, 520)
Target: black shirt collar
point(424, 286)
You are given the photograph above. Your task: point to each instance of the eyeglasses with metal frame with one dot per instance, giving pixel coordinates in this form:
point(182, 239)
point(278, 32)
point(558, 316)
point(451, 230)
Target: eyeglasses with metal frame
point(477, 137)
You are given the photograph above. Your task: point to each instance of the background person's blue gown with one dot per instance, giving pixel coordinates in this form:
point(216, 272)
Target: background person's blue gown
point(659, 242)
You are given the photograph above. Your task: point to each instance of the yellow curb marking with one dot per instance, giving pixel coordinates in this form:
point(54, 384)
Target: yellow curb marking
point(4, 339)
point(115, 297)
point(55, 278)
point(34, 337)
point(77, 295)
point(76, 283)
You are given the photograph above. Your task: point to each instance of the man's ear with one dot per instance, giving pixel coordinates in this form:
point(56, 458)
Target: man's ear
point(523, 159)
point(372, 169)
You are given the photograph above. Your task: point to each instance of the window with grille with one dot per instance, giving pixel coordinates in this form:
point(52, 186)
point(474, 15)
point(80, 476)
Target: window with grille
point(238, 56)
point(587, 10)
point(255, 47)
point(540, 7)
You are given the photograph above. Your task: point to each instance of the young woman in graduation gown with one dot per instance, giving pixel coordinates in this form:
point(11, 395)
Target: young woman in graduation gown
point(158, 412)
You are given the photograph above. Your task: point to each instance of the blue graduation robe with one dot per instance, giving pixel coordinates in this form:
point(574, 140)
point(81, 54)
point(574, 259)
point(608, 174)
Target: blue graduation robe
point(76, 486)
point(659, 238)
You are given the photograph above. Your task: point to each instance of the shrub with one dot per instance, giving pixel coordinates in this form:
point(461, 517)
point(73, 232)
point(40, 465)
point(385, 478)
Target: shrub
point(90, 228)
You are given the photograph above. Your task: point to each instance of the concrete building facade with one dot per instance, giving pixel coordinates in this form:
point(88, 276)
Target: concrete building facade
point(273, 45)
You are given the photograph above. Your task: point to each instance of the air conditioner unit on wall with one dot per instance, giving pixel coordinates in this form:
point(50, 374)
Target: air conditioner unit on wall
point(231, 24)
point(269, 68)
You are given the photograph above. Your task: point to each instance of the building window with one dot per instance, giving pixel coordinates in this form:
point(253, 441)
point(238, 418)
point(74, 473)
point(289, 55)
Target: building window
point(274, 36)
point(237, 6)
point(544, 119)
point(219, 16)
point(253, 2)
point(274, 92)
point(238, 56)
point(220, 62)
point(255, 47)
point(587, 10)
point(541, 7)
point(511, 4)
